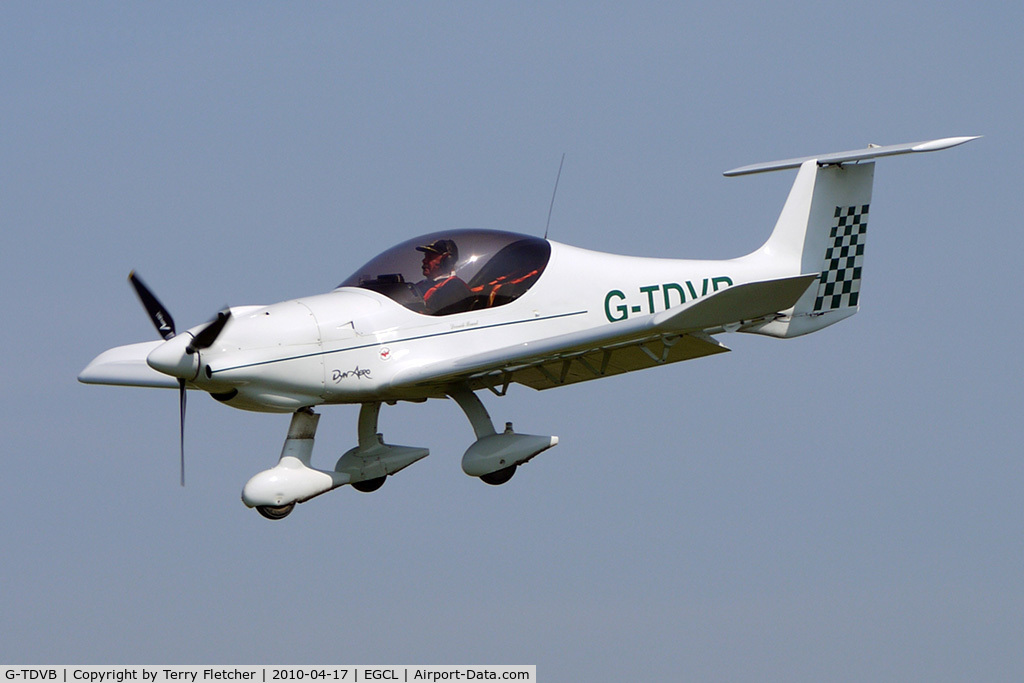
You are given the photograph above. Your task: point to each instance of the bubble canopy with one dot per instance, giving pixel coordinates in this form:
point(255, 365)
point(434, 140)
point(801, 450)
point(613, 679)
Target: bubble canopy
point(456, 270)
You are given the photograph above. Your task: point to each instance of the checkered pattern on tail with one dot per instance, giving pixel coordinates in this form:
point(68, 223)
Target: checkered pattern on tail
point(840, 280)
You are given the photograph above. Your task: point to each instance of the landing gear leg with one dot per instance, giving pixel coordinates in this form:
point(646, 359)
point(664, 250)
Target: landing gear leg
point(475, 411)
point(369, 414)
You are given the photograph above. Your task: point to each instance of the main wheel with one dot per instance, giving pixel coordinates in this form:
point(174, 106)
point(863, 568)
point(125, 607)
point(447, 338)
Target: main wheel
point(369, 485)
point(500, 477)
point(275, 511)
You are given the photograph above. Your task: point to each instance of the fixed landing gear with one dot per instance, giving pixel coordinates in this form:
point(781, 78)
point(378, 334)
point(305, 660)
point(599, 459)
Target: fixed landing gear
point(494, 457)
point(275, 492)
point(366, 467)
point(369, 464)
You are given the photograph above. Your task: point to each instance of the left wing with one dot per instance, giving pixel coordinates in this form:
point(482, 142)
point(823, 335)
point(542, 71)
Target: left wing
point(126, 366)
point(677, 334)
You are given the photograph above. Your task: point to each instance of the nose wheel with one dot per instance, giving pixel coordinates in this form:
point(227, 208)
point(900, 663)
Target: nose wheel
point(275, 511)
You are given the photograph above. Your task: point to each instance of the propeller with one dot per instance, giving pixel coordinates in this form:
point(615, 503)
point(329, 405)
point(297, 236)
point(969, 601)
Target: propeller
point(164, 324)
point(205, 337)
point(157, 313)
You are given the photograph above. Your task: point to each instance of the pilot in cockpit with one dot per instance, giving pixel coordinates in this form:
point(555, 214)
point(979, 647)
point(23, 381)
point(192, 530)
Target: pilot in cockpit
point(442, 290)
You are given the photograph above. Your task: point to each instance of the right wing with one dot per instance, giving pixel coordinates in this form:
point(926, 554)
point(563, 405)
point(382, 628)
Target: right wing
point(677, 334)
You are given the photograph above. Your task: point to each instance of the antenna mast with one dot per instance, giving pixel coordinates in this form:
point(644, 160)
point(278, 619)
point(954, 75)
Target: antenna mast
point(548, 225)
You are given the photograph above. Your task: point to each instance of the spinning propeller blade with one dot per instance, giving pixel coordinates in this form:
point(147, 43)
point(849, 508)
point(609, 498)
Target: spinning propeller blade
point(205, 337)
point(181, 441)
point(164, 324)
point(162, 320)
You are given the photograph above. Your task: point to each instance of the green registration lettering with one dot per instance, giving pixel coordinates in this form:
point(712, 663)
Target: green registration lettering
point(672, 287)
point(672, 294)
point(621, 308)
point(649, 290)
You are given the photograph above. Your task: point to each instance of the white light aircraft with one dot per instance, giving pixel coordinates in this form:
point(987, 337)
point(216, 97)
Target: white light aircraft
point(449, 314)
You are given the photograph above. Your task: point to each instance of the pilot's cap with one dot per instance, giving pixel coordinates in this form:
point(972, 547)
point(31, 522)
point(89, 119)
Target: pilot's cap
point(441, 246)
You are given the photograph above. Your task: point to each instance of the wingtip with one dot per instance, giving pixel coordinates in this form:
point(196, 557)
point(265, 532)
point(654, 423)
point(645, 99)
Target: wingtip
point(943, 143)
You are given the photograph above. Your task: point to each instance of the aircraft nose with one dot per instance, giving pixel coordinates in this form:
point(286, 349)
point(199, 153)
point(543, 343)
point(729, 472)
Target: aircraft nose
point(171, 358)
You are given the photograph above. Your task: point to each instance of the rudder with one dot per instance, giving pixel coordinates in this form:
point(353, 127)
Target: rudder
point(839, 282)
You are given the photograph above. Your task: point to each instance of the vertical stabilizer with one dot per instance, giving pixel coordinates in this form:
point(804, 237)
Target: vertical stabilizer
point(822, 229)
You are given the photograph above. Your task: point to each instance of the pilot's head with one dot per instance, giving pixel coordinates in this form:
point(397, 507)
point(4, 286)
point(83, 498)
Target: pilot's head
point(439, 257)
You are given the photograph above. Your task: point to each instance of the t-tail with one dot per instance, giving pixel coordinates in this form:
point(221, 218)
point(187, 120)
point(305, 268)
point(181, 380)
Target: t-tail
point(822, 229)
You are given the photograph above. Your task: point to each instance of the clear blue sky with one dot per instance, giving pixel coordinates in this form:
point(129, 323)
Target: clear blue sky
point(841, 506)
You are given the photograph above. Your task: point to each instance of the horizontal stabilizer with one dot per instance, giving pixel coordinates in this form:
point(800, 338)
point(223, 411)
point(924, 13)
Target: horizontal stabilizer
point(872, 152)
point(737, 304)
point(126, 366)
